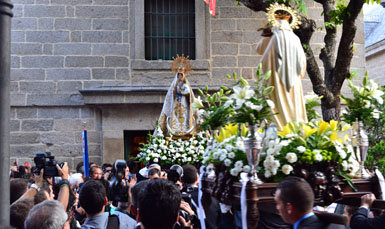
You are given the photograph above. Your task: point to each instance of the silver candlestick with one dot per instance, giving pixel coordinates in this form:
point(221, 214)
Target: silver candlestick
point(253, 147)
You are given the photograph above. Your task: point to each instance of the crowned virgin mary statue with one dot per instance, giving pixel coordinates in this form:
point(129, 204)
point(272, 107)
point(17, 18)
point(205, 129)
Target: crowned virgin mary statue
point(177, 116)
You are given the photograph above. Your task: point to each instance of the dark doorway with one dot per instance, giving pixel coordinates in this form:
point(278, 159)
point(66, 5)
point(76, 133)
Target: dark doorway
point(133, 140)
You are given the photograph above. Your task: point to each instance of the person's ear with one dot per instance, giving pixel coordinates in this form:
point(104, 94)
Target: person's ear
point(105, 201)
point(133, 210)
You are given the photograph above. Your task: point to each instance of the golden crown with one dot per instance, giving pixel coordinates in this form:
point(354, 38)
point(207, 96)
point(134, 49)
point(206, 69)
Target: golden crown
point(181, 64)
point(273, 16)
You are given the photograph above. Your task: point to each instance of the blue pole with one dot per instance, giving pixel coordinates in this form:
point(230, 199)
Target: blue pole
point(85, 154)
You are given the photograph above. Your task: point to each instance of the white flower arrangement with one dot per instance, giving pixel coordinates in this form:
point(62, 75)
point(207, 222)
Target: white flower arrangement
point(366, 103)
point(227, 149)
point(308, 144)
point(251, 104)
point(168, 151)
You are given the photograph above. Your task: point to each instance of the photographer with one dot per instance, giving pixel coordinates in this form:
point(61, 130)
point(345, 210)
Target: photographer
point(93, 200)
point(119, 192)
point(188, 216)
point(159, 206)
point(64, 188)
point(96, 172)
point(107, 171)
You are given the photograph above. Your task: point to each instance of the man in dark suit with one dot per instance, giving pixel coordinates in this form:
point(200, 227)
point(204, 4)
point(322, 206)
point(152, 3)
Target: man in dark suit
point(360, 217)
point(294, 199)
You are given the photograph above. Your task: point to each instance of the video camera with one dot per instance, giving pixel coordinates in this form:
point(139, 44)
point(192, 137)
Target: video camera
point(44, 160)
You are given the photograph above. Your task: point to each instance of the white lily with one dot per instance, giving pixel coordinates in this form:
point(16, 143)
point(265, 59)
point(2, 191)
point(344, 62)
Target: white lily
point(241, 94)
point(270, 103)
point(197, 104)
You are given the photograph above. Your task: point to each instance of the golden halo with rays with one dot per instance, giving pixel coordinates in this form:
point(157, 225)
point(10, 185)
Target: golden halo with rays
point(181, 64)
point(271, 15)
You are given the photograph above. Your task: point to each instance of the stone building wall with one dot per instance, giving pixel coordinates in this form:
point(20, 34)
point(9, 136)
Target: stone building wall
point(64, 51)
point(375, 62)
point(58, 48)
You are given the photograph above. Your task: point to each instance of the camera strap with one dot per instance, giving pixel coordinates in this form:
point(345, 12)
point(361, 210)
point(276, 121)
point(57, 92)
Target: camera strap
point(113, 222)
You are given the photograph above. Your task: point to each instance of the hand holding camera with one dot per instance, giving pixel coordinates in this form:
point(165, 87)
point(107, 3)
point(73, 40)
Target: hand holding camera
point(39, 179)
point(44, 160)
point(63, 171)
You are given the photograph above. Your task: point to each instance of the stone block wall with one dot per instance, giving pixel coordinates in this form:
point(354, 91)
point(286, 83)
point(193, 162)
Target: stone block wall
point(375, 61)
point(56, 130)
point(58, 48)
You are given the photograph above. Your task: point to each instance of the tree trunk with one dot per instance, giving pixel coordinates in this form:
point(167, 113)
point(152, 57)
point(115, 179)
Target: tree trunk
point(331, 111)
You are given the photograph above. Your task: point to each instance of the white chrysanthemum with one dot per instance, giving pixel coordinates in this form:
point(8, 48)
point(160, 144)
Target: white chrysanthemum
point(231, 155)
point(291, 157)
point(239, 169)
point(301, 149)
point(147, 158)
point(266, 163)
point(240, 145)
point(227, 162)
point(318, 157)
point(286, 169)
point(238, 164)
point(246, 168)
point(285, 142)
point(234, 172)
point(275, 164)
point(223, 157)
point(216, 155)
point(274, 171)
point(156, 160)
point(267, 174)
point(229, 147)
point(164, 157)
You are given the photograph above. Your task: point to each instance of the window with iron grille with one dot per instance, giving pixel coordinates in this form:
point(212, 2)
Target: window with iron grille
point(169, 29)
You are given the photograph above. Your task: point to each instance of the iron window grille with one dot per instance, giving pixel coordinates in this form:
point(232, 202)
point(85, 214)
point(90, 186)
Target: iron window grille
point(169, 29)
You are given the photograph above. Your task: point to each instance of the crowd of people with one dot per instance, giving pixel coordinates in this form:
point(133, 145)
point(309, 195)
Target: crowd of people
point(122, 196)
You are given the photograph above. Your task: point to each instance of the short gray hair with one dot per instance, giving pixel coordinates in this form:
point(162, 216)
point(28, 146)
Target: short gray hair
point(49, 214)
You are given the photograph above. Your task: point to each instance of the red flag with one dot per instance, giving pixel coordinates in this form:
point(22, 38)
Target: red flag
point(207, 1)
point(212, 7)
